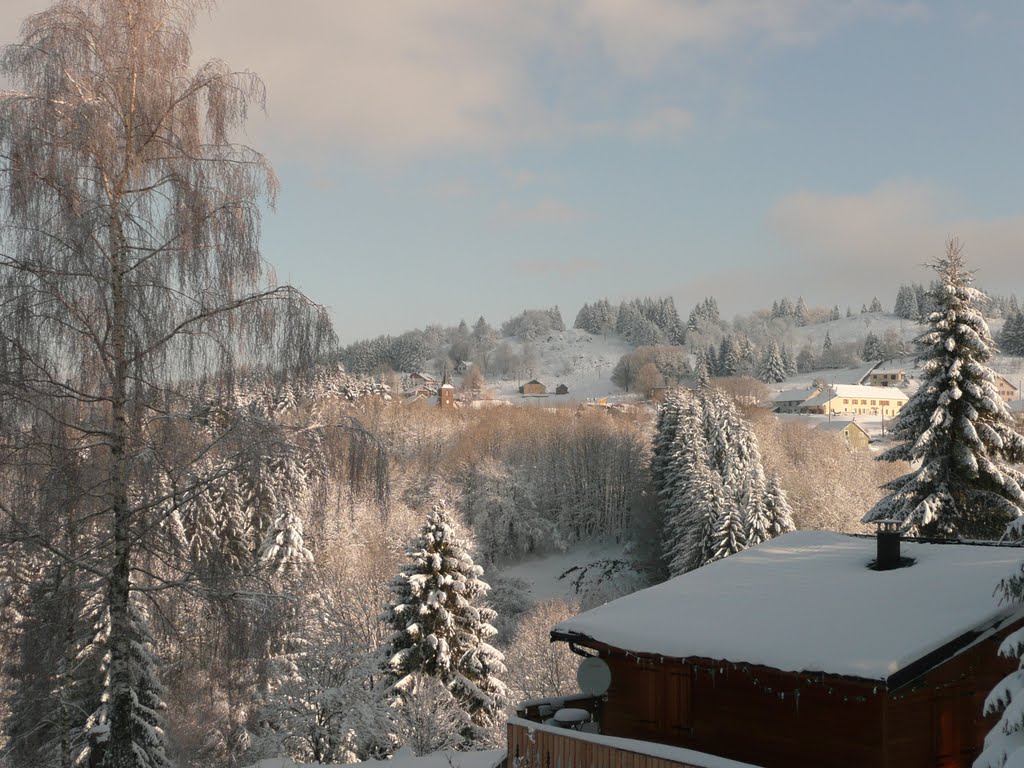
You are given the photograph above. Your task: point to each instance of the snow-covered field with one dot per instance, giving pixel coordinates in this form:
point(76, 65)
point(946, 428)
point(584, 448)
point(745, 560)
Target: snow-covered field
point(587, 563)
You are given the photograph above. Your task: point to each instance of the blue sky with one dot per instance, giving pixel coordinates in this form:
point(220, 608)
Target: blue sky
point(445, 159)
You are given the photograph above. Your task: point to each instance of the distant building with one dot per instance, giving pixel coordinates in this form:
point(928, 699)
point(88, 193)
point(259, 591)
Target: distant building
point(1006, 389)
point(561, 389)
point(887, 377)
point(422, 380)
point(856, 400)
point(854, 434)
point(446, 394)
point(462, 366)
point(533, 388)
point(790, 402)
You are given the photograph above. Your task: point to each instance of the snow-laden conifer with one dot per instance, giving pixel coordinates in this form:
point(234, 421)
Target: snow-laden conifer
point(772, 368)
point(872, 348)
point(441, 629)
point(955, 430)
point(710, 482)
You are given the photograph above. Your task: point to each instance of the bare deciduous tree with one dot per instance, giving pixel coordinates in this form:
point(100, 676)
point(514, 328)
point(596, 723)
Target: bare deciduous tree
point(129, 268)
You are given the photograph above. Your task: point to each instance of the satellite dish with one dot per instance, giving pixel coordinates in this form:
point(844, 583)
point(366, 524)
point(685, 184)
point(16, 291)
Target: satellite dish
point(593, 676)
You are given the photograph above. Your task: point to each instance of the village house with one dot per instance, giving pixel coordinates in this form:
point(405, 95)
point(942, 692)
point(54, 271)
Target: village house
point(562, 389)
point(533, 388)
point(1006, 389)
point(812, 649)
point(887, 377)
point(856, 400)
point(854, 434)
point(790, 402)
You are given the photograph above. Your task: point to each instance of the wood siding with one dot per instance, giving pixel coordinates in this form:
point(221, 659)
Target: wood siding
point(937, 721)
point(753, 714)
point(780, 719)
point(537, 748)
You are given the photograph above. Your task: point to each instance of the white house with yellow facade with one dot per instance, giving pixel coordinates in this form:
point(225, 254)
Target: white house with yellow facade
point(856, 400)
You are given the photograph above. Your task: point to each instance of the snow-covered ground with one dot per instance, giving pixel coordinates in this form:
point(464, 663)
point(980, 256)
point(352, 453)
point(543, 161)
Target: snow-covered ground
point(580, 360)
point(544, 575)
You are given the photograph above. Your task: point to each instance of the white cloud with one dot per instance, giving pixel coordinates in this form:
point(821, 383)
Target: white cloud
point(390, 78)
point(641, 34)
point(883, 236)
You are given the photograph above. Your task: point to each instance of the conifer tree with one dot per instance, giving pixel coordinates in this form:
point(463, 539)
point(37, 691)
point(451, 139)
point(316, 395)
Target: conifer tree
point(955, 430)
point(872, 348)
point(728, 357)
point(800, 313)
point(441, 630)
point(777, 510)
point(710, 482)
point(835, 313)
point(772, 368)
point(876, 305)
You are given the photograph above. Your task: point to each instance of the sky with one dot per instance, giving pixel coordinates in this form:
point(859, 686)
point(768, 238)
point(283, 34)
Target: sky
point(447, 159)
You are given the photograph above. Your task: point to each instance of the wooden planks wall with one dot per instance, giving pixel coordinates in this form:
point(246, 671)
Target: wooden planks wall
point(543, 749)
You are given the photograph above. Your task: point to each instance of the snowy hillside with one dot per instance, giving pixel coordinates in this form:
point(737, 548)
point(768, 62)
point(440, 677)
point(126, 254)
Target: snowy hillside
point(580, 360)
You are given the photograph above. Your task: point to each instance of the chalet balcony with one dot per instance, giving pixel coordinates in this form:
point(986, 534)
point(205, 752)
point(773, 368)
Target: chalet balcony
point(536, 739)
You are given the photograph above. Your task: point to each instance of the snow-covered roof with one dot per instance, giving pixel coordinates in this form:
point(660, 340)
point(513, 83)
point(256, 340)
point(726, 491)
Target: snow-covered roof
point(856, 390)
point(860, 390)
point(838, 425)
point(795, 395)
point(807, 602)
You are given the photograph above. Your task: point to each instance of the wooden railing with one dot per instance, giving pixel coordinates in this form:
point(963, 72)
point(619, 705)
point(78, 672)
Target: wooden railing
point(532, 745)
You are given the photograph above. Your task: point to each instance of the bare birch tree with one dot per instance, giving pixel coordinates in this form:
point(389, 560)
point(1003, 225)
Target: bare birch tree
point(129, 269)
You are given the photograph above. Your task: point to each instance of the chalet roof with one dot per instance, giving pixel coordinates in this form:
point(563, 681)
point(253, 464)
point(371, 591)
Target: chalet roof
point(795, 395)
point(806, 602)
point(532, 381)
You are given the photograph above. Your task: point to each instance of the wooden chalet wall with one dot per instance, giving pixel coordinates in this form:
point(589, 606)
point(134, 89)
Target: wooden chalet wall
point(747, 713)
point(788, 720)
point(937, 721)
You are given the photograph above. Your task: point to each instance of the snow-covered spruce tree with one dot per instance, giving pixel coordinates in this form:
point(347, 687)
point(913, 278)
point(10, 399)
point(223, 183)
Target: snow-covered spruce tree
point(772, 368)
point(441, 630)
point(778, 513)
point(710, 482)
point(872, 348)
point(955, 430)
point(678, 482)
